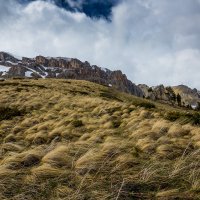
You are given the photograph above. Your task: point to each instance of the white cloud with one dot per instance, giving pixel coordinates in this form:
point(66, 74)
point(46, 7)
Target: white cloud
point(75, 4)
point(152, 41)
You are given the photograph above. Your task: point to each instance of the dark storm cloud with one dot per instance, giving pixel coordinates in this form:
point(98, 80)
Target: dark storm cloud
point(152, 41)
point(92, 8)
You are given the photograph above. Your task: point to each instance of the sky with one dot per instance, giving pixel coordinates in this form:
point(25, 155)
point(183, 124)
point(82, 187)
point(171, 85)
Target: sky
point(152, 41)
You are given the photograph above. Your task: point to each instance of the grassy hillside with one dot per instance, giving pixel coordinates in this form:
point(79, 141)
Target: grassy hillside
point(76, 140)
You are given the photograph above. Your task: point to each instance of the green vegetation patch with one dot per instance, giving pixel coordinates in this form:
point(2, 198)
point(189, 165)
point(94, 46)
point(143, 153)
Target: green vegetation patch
point(109, 96)
point(173, 116)
point(116, 123)
point(146, 105)
point(193, 118)
point(9, 84)
point(77, 92)
point(22, 85)
point(77, 123)
point(7, 113)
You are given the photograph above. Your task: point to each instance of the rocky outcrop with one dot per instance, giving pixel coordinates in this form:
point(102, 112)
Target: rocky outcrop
point(7, 57)
point(16, 71)
point(161, 93)
point(189, 97)
point(66, 68)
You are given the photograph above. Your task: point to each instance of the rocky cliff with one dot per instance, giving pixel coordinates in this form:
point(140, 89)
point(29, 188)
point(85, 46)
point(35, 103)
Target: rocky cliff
point(189, 97)
point(66, 68)
point(165, 94)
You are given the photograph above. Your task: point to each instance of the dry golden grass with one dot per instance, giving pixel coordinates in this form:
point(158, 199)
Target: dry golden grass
point(72, 143)
point(167, 194)
point(58, 157)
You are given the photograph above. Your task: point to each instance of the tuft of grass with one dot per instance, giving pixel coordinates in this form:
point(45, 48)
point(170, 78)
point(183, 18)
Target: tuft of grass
point(195, 118)
point(173, 116)
point(116, 123)
point(77, 123)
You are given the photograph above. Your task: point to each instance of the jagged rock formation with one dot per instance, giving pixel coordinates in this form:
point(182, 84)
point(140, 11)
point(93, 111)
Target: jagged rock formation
point(165, 94)
point(168, 94)
point(67, 68)
point(189, 96)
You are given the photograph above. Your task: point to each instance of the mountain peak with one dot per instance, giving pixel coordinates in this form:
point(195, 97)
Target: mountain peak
point(64, 68)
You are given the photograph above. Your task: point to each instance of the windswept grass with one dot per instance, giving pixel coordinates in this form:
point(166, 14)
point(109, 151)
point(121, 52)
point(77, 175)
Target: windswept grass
point(76, 140)
point(184, 117)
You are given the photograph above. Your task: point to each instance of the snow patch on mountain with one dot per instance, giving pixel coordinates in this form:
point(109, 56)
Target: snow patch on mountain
point(28, 74)
point(4, 68)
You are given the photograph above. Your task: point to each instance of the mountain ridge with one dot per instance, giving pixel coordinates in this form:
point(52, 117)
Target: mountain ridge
point(73, 68)
point(66, 68)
